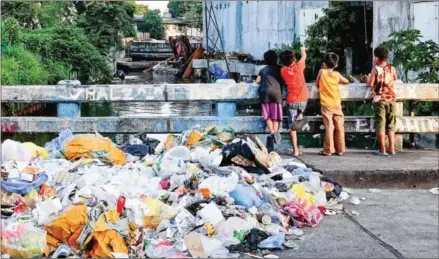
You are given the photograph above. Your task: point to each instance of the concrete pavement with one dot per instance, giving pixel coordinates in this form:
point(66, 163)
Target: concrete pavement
point(362, 169)
point(390, 224)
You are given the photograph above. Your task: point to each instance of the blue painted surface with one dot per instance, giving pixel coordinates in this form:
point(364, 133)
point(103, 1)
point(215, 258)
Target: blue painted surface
point(70, 110)
point(226, 109)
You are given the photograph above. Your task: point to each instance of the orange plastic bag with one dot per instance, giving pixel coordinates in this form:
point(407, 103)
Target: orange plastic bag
point(104, 243)
point(194, 138)
point(67, 228)
point(94, 147)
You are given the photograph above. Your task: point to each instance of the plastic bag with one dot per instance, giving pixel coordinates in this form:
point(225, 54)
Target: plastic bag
point(246, 196)
point(226, 229)
point(273, 242)
point(36, 150)
point(220, 186)
point(302, 212)
point(156, 212)
point(299, 189)
point(54, 146)
point(16, 151)
point(23, 240)
point(93, 147)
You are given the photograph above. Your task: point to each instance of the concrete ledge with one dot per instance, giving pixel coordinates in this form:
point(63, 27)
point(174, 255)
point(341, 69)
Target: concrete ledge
point(177, 124)
point(191, 92)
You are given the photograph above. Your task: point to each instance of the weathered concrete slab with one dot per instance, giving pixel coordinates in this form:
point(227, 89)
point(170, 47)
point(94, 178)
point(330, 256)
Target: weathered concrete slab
point(94, 93)
point(407, 220)
point(253, 124)
point(361, 168)
point(337, 237)
point(393, 223)
point(192, 92)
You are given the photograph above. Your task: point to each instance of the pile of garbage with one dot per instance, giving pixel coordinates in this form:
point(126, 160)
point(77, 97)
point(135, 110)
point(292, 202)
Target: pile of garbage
point(202, 193)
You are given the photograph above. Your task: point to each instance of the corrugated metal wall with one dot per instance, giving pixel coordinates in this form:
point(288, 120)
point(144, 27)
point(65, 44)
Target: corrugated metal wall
point(256, 26)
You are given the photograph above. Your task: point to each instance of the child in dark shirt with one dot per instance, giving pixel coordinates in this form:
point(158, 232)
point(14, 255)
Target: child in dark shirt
point(270, 93)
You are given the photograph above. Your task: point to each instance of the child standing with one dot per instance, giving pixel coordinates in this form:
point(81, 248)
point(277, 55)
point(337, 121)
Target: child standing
point(292, 74)
point(270, 94)
point(381, 80)
point(332, 115)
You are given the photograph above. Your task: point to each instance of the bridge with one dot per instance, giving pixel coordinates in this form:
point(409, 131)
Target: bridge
point(225, 96)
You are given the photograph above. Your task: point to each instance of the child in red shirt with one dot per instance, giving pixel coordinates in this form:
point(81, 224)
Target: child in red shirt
point(297, 98)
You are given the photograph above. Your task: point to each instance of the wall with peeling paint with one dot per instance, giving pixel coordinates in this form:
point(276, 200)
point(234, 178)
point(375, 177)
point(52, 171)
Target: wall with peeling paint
point(390, 16)
point(256, 26)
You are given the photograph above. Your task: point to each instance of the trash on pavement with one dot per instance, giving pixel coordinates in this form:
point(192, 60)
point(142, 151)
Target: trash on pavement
point(434, 190)
point(202, 193)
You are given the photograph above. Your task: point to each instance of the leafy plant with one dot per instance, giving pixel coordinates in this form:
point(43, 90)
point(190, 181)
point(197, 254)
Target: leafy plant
point(293, 46)
point(342, 26)
point(106, 22)
point(70, 46)
point(10, 31)
point(21, 67)
point(24, 12)
point(412, 54)
point(140, 9)
point(153, 25)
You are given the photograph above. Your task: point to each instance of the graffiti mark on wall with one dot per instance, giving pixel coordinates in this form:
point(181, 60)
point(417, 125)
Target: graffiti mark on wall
point(9, 127)
point(112, 94)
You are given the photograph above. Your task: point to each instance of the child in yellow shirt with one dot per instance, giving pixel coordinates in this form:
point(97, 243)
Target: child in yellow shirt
point(332, 115)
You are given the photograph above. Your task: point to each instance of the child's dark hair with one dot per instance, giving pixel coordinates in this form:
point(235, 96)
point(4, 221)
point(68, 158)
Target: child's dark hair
point(381, 53)
point(270, 58)
point(287, 57)
point(331, 60)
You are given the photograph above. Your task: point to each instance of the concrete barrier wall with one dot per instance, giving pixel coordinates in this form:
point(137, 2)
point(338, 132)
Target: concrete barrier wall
point(225, 94)
point(191, 92)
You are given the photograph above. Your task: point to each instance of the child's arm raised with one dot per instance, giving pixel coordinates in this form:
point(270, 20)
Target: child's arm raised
point(303, 54)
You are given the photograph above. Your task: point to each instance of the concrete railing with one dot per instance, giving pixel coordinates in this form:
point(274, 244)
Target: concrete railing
point(225, 95)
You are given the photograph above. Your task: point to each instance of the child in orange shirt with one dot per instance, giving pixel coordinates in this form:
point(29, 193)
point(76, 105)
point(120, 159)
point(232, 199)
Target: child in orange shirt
point(332, 115)
point(297, 98)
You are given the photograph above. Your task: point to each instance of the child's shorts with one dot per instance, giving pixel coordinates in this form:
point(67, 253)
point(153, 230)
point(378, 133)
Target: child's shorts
point(272, 111)
point(294, 109)
point(385, 116)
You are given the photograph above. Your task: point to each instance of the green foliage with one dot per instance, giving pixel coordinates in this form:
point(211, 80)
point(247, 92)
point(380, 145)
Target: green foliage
point(341, 26)
point(177, 8)
point(140, 9)
point(293, 46)
point(21, 67)
point(10, 31)
point(194, 13)
point(189, 10)
point(106, 22)
point(22, 11)
point(153, 25)
point(69, 45)
point(412, 54)
point(51, 14)
point(57, 71)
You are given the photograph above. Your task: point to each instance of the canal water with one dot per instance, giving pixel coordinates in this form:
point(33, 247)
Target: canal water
point(143, 109)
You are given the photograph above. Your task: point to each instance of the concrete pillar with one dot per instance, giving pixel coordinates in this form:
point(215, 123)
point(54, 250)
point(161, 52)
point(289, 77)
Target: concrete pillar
point(70, 110)
point(399, 138)
point(226, 109)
